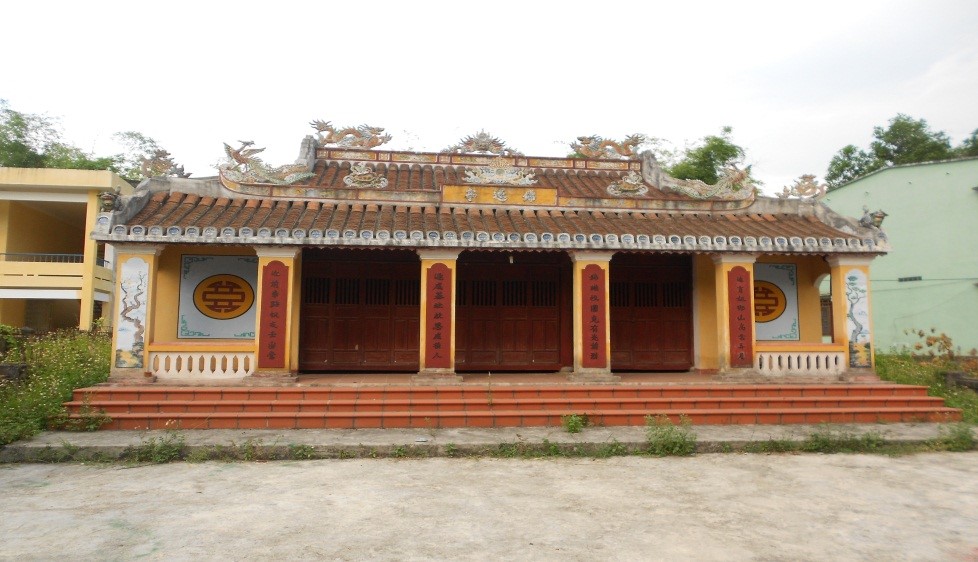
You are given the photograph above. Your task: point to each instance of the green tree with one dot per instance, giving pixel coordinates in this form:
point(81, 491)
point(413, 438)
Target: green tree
point(29, 140)
point(66, 156)
point(969, 147)
point(904, 141)
point(848, 164)
point(33, 141)
point(23, 138)
point(908, 141)
point(143, 157)
point(705, 161)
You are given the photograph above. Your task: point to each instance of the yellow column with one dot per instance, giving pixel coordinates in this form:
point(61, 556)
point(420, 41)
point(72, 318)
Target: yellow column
point(437, 338)
point(135, 293)
point(90, 253)
point(592, 317)
point(727, 305)
point(851, 312)
point(276, 321)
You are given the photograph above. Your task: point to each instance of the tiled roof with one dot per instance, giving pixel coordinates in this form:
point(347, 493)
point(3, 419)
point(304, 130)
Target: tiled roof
point(187, 217)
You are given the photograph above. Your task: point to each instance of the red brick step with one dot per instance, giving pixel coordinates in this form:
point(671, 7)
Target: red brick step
point(161, 407)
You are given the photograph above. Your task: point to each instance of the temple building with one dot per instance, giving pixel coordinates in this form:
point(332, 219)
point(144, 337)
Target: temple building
point(480, 259)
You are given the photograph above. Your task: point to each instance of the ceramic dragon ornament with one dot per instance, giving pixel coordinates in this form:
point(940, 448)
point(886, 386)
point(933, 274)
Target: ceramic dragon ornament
point(597, 147)
point(364, 136)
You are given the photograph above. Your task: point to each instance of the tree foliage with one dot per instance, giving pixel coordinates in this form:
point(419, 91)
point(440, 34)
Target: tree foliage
point(908, 141)
point(705, 161)
point(904, 141)
point(969, 147)
point(29, 140)
point(24, 138)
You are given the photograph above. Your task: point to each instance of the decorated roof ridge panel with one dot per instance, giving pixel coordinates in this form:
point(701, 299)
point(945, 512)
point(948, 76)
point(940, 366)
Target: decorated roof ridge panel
point(464, 159)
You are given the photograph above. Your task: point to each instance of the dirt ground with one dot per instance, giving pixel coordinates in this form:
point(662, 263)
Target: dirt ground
point(708, 507)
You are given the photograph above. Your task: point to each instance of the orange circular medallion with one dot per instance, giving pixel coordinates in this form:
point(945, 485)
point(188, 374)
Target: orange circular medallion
point(223, 297)
point(769, 301)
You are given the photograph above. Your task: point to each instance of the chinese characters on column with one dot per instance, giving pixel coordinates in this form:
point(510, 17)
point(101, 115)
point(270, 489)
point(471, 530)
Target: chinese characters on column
point(594, 320)
point(274, 300)
point(438, 317)
point(741, 317)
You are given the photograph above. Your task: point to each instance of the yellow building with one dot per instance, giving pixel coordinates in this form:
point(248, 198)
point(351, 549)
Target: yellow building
point(479, 259)
point(52, 274)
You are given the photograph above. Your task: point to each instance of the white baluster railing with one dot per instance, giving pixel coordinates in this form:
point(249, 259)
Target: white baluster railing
point(800, 362)
point(201, 364)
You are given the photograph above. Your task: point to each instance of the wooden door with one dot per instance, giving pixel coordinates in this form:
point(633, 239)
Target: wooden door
point(512, 316)
point(651, 313)
point(360, 311)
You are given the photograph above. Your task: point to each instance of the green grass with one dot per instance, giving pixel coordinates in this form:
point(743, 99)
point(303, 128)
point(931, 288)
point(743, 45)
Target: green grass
point(57, 363)
point(904, 369)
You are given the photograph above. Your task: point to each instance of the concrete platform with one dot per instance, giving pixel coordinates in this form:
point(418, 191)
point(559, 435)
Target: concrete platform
point(107, 445)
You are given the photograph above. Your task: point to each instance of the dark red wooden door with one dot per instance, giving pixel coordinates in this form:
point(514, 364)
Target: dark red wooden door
point(512, 316)
point(651, 313)
point(360, 311)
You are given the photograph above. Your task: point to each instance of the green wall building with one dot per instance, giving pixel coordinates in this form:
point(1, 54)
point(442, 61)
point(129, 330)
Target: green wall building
point(929, 279)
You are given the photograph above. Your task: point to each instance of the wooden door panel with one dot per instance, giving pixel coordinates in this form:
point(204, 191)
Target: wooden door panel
point(511, 316)
point(360, 311)
point(651, 313)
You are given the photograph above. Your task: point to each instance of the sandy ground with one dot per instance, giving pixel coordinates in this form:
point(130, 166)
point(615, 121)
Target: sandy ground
point(708, 507)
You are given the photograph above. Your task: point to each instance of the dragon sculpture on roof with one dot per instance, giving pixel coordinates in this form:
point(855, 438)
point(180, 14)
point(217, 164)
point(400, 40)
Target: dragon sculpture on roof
point(734, 184)
point(160, 163)
point(597, 147)
point(244, 167)
point(364, 136)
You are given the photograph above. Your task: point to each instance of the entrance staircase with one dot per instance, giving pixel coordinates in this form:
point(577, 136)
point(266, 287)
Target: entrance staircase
point(356, 407)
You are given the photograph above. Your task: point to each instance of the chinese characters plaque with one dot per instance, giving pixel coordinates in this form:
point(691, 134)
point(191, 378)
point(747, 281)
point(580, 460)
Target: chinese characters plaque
point(741, 317)
point(438, 317)
point(274, 300)
point(594, 321)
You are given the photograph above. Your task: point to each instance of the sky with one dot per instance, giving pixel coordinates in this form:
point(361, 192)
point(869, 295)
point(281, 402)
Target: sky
point(796, 81)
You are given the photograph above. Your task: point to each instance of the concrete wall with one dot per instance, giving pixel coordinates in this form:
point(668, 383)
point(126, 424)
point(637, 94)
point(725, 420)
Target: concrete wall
point(933, 209)
point(30, 230)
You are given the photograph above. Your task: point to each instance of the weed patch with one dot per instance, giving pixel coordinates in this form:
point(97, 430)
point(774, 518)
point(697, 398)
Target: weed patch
point(957, 437)
point(613, 449)
point(772, 446)
point(158, 450)
point(575, 423)
point(665, 438)
point(926, 366)
point(302, 452)
point(828, 440)
point(57, 364)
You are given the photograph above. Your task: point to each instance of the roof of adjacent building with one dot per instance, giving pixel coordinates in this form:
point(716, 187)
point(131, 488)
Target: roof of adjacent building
point(342, 196)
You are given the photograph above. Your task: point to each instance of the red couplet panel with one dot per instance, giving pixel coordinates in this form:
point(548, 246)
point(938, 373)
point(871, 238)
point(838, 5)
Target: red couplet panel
point(594, 322)
point(741, 314)
point(274, 300)
point(438, 317)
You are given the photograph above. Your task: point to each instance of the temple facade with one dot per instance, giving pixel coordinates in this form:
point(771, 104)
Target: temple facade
point(480, 259)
